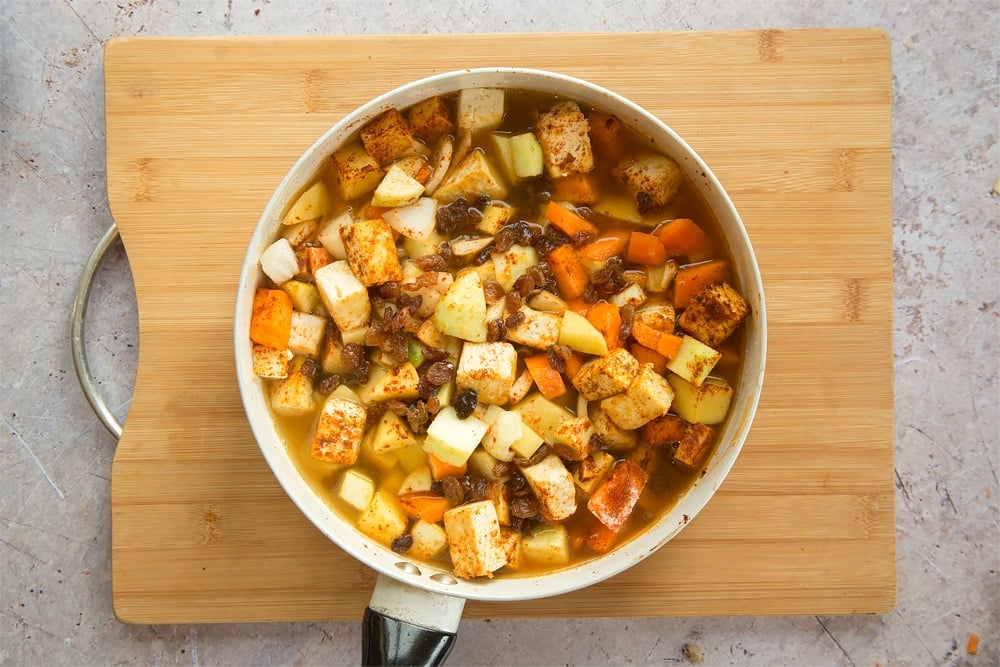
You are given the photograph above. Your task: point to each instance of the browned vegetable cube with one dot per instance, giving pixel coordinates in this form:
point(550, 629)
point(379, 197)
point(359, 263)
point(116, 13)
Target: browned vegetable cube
point(430, 119)
point(387, 137)
point(652, 179)
point(357, 172)
point(665, 430)
point(714, 313)
point(564, 134)
point(694, 444)
point(613, 501)
point(371, 251)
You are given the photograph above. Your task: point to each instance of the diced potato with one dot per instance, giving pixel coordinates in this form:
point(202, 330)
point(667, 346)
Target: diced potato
point(633, 294)
point(415, 166)
point(415, 221)
point(354, 335)
point(542, 415)
point(429, 119)
point(383, 520)
point(504, 430)
point(430, 291)
point(358, 173)
point(652, 179)
point(298, 233)
point(512, 545)
point(461, 312)
point(553, 487)
point(400, 383)
point(502, 149)
point(430, 335)
point(579, 334)
point(658, 278)
point(469, 247)
point(548, 302)
point(307, 334)
point(707, 404)
point(694, 360)
point(270, 363)
point(658, 318)
point(452, 439)
point(614, 435)
point(278, 262)
point(371, 252)
point(497, 493)
point(548, 545)
point(305, 296)
point(618, 206)
point(338, 431)
point(387, 137)
point(648, 397)
point(474, 542)
point(429, 540)
point(311, 205)
point(592, 470)
point(539, 330)
point(482, 462)
point(564, 135)
point(344, 297)
point(488, 368)
point(526, 154)
point(293, 396)
point(615, 498)
point(574, 435)
point(528, 443)
point(480, 108)
point(495, 216)
point(511, 265)
point(695, 443)
point(392, 433)
point(355, 488)
point(714, 313)
point(417, 481)
point(386, 463)
point(472, 177)
point(606, 376)
point(397, 188)
point(412, 457)
point(329, 234)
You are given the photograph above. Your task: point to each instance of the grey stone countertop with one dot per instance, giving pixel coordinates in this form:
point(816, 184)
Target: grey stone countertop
point(56, 457)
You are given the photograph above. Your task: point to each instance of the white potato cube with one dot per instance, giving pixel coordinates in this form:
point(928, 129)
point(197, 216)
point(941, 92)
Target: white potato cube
point(614, 435)
point(400, 382)
point(343, 295)
point(707, 404)
point(495, 217)
point(293, 396)
point(429, 540)
point(474, 541)
point(651, 179)
point(278, 262)
point(548, 545)
point(307, 333)
point(648, 397)
point(631, 294)
point(339, 431)
point(392, 433)
point(452, 439)
point(554, 488)
point(694, 360)
point(511, 265)
point(356, 489)
point(480, 108)
point(358, 173)
point(574, 435)
point(528, 443)
point(606, 376)
point(270, 363)
point(542, 415)
point(512, 545)
point(383, 520)
point(539, 330)
point(504, 430)
point(472, 177)
point(488, 368)
point(329, 234)
point(417, 481)
point(461, 312)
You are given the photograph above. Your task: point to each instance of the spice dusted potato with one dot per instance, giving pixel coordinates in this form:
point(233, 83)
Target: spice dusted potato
point(430, 119)
point(357, 172)
point(371, 252)
point(648, 397)
point(488, 368)
point(387, 137)
point(606, 376)
point(338, 432)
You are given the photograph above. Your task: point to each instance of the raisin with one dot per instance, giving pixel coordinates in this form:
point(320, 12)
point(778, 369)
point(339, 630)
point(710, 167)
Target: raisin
point(433, 405)
point(557, 355)
point(496, 331)
point(431, 263)
point(389, 290)
point(515, 320)
point(417, 417)
point(501, 469)
point(484, 255)
point(309, 369)
point(435, 353)
point(397, 407)
point(524, 508)
point(597, 443)
point(453, 491)
point(493, 290)
point(465, 403)
point(328, 383)
point(628, 317)
point(644, 202)
point(402, 544)
point(512, 302)
point(440, 372)
point(353, 356)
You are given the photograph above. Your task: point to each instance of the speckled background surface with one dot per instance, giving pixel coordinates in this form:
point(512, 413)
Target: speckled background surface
point(56, 458)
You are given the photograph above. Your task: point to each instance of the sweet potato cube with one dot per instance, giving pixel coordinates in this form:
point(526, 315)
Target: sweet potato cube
point(714, 313)
point(387, 137)
point(613, 501)
point(665, 430)
point(695, 443)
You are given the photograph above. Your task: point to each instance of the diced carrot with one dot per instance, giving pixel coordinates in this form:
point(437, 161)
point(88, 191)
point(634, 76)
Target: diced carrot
point(684, 238)
point(376, 211)
point(576, 188)
point(271, 321)
point(578, 305)
point(610, 243)
point(644, 355)
point(645, 249)
point(972, 646)
point(424, 506)
point(573, 364)
point(664, 430)
point(317, 258)
point(669, 345)
point(570, 274)
point(440, 469)
point(548, 380)
point(690, 279)
point(661, 342)
point(607, 319)
point(607, 134)
point(600, 538)
point(568, 221)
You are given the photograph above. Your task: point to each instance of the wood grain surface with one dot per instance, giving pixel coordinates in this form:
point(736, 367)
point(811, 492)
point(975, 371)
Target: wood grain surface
point(796, 125)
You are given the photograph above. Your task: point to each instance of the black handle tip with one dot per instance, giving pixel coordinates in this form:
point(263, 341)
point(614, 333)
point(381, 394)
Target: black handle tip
point(390, 641)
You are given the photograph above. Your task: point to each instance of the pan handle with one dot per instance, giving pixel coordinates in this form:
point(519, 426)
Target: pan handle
point(406, 625)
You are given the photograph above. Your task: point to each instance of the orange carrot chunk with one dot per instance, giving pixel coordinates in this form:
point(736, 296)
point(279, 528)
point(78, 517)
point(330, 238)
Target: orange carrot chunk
point(424, 506)
point(600, 538)
point(568, 221)
point(271, 321)
point(607, 246)
point(645, 249)
point(570, 274)
point(644, 355)
point(607, 319)
point(972, 647)
point(548, 380)
point(684, 238)
point(690, 279)
point(575, 188)
point(440, 469)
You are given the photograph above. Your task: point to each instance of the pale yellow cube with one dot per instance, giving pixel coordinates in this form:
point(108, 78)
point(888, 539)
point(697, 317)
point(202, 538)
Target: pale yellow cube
point(474, 542)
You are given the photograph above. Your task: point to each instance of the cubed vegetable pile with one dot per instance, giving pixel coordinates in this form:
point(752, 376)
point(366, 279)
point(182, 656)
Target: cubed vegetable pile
point(499, 331)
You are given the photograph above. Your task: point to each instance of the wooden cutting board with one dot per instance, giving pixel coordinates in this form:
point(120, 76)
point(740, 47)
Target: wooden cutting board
point(796, 126)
